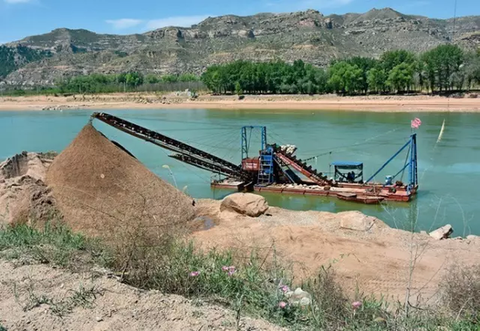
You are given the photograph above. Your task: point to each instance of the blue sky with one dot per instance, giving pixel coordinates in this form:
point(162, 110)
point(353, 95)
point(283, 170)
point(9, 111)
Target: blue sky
point(21, 18)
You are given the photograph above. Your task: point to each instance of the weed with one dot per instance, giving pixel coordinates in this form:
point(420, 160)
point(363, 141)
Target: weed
point(83, 297)
point(248, 285)
point(55, 244)
point(461, 292)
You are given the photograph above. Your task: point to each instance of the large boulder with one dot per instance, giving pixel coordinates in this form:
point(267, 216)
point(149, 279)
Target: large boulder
point(356, 221)
point(249, 204)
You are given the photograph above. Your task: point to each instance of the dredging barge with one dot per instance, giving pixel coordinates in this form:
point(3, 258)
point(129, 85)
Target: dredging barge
point(276, 169)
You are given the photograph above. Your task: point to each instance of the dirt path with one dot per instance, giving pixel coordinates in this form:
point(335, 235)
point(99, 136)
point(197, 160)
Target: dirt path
point(376, 261)
point(38, 297)
point(276, 102)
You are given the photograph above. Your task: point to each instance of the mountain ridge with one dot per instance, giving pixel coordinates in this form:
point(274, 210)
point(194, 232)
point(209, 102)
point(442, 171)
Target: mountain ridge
point(308, 35)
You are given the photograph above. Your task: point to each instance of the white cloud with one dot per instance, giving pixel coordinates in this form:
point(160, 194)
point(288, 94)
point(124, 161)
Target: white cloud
point(124, 23)
point(180, 21)
point(18, 1)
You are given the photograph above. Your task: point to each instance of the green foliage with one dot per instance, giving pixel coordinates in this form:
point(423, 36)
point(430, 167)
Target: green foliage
point(401, 77)
point(365, 64)
point(265, 77)
point(131, 81)
point(392, 59)
point(151, 79)
point(54, 243)
point(238, 88)
point(443, 67)
point(345, 78)
point(377, 79)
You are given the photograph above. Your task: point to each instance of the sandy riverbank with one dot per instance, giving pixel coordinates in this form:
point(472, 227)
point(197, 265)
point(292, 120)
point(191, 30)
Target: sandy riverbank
point(278, 102)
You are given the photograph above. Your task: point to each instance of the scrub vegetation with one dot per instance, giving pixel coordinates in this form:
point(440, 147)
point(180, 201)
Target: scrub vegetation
point(252, 286)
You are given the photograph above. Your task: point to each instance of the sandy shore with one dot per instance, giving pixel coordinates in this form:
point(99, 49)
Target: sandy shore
point(277, 102)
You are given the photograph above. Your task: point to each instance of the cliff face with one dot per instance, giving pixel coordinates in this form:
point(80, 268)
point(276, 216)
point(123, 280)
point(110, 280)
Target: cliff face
point(307, 35)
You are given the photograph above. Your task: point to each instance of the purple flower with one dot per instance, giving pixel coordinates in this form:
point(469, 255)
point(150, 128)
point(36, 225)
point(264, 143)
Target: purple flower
point(225, 268)
point(356, 305)
point(232, 268)
point(282, 304)
point(194, 273)
point(231, 272)
point(285, 288)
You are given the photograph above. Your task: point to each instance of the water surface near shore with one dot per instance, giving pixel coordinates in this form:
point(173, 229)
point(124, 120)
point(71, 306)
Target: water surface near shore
point(449, 170)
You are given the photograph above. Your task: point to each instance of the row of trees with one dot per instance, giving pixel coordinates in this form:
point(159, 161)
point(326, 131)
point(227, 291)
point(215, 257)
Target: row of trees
point(132, 81)
point(444, 68)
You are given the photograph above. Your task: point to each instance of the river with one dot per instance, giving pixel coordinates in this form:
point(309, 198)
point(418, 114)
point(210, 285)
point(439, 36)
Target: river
point(448, 170)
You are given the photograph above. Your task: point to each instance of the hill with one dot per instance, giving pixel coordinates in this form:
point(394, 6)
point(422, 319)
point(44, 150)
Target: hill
point(306, 35)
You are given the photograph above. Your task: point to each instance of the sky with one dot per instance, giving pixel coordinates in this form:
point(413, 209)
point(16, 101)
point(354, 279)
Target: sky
point(21, 18)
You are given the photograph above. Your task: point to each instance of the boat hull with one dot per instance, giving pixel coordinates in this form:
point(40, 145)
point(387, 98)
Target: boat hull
point(373, 190)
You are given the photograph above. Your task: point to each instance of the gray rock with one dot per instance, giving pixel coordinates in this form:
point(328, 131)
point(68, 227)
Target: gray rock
point(299, 298)
point(442, 233)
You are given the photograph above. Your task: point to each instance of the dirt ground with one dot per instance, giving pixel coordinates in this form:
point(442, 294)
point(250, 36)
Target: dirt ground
point(39, 297)
point(419, 103)
point(374, 260)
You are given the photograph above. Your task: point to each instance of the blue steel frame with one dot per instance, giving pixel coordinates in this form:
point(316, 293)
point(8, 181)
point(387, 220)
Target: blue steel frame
point(245, 144)
point(411, 163)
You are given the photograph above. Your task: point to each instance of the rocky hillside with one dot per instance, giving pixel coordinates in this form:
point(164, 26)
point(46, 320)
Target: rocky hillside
point(307, 35)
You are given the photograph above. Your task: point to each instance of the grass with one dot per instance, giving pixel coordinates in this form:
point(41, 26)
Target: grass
point(252, 285)
point(83, 297)
point(54, 244)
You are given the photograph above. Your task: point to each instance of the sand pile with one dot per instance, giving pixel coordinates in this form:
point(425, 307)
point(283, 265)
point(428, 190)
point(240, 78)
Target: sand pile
point(24, 197)
point(102, 190)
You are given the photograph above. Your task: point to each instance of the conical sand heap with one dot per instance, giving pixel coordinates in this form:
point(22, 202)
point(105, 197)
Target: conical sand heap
point(102, 190)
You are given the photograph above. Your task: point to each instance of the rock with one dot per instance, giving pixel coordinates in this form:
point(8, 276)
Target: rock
point(354, 220)
point(245, 203)
point(472, 237)
point(299, 298)
point(442, 233)
point(99, 319)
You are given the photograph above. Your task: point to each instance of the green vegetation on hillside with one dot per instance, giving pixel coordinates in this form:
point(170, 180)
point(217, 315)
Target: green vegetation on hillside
point(12, 58)
point(249, 285)
point(444, 68)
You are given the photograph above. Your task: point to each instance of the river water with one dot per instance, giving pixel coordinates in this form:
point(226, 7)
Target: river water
point(449, 171)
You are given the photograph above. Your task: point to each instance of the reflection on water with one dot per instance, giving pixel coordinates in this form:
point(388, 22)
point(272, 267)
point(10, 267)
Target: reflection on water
point(448, 170)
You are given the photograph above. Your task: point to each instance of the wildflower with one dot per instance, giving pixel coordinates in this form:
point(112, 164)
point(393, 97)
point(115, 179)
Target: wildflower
point(194, 273)
point(225, 268)
point(285, 289)
point(231, 268)
point(282, 304)
point(356, 305)
point(230, 273)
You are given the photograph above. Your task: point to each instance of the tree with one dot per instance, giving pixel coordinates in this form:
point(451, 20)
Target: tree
point(401, 77)
point(238, 88)
point(151, 79)
point(345, 78)
point(472, 68)
point(377, 79)
point(364, 64)
point(391, 59)
point(441, 63)
point(134, 79)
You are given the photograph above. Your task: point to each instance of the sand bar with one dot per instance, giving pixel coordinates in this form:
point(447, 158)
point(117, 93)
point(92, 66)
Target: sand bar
point(422, 103)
